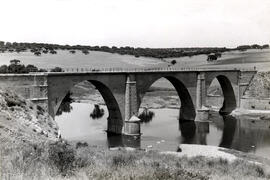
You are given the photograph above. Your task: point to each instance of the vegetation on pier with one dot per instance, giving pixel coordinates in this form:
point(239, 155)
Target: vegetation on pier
point(146, 116)
point(97, 112)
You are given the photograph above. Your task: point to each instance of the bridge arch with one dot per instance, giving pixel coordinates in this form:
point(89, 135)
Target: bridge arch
point(229, 95)
point(115, 118)
point(187, 109)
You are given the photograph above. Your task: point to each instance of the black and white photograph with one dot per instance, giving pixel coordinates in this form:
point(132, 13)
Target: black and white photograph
point(134, 90)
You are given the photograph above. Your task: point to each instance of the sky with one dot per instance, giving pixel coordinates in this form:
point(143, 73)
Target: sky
point(137, 23)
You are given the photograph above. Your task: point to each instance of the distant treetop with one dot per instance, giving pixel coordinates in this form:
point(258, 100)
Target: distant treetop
point(15, 61)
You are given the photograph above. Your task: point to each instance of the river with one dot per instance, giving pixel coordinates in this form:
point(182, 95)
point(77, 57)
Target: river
point(164, 132)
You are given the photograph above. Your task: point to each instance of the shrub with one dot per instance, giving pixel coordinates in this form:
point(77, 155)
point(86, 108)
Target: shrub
point(123, 159)
point(80, 144)
point(173, 62)
point(14, 101)
point(146, 116)
point(97, 112)
point(63, 157)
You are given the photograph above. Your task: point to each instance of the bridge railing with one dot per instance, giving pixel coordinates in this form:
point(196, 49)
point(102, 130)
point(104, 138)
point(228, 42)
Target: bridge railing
point(144, 69)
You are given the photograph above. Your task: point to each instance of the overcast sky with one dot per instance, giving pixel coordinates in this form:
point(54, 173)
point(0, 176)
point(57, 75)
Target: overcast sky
point(139, 23)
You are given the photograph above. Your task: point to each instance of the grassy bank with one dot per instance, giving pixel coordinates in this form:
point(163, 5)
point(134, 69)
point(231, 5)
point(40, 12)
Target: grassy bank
point(50, 160)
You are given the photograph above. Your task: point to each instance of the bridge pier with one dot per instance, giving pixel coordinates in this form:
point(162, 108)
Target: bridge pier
point(132, 123)
point(202, 113)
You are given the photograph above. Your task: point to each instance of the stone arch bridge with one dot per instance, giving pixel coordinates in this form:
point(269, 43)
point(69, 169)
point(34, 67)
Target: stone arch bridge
point(123, 90)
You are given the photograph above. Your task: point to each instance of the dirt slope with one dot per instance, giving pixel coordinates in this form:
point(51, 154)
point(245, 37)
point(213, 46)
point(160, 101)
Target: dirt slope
point(22, 121)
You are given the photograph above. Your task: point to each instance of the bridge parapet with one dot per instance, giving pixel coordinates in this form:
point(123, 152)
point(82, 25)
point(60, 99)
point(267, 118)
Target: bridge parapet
point(30, 86)
point(145, 69)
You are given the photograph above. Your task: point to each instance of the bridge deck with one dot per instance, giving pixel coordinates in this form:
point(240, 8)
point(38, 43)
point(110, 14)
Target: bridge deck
point(131, 70)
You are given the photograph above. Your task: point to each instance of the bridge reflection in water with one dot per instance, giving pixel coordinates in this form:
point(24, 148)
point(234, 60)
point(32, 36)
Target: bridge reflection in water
point(240, 134)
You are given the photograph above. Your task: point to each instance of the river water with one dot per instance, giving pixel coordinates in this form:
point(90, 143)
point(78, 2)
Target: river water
point(164, 132)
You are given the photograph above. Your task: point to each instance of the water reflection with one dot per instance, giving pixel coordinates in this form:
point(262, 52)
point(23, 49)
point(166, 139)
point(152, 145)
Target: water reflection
point(194, 132)
point(166, 132)
point(188, 131)
point(248, 135)
point(97, 112)
point(229, 127)
point(146, 116)
point(123, 141)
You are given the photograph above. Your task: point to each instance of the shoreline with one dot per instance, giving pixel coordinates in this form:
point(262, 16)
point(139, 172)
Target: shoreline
point(265, 114)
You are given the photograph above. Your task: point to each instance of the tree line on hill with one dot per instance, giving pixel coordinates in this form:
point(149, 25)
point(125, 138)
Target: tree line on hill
point(16, 67)
point(254, 46)
point(44, 48)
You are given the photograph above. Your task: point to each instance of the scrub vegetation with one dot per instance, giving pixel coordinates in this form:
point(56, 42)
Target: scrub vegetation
point(60, 160)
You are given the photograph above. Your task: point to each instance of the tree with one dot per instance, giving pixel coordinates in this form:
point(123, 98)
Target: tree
point(37, 53)
point(2, 43)
point(265, 46)
point(8, 44)
point(16, 68)
point(85, 51)
point(4, 69)
point(42, 70)
point(53, 52)
point(57, 69)
point(31, 68)
point(173, 62)
point(211, 57)
point(15, 61)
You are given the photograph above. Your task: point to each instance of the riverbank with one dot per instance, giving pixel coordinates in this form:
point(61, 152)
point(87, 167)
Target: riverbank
point(58, 160)
point(252, 114)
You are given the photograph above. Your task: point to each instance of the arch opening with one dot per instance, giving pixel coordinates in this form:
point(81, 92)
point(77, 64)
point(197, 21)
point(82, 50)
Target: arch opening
point(178, 96)
point(96, 94)
point(220, 94)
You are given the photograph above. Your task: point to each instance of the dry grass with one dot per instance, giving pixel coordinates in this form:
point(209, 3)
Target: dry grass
point(56, 160)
